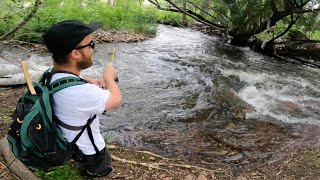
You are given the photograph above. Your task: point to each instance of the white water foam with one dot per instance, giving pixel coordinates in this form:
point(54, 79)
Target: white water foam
point(272, 95)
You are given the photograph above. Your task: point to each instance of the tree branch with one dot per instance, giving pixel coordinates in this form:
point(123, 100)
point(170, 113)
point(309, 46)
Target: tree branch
point(273, 6)
point(302, 11)
point(23, 22)
point(197, 17)
point(223, 16)
point(287, 5)
point(200, 8)
point(155, 3)
point(294, 3)
point(162, 8)
point(304, 3)
point(293, 21)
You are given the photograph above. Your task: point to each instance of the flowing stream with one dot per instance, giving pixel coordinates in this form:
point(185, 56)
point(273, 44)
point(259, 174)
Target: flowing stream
point(189, 95)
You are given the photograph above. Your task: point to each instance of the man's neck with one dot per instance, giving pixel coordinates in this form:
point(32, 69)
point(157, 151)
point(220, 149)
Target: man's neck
point(67, 68)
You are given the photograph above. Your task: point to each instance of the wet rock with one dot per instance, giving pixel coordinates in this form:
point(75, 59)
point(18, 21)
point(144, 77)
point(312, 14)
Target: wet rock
point(231, 102)
point(291, 106)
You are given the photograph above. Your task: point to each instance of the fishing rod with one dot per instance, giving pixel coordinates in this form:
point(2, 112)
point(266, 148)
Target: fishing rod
point(111, 61)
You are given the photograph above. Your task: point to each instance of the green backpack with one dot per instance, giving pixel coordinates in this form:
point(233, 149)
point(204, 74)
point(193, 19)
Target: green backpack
point(34, 137)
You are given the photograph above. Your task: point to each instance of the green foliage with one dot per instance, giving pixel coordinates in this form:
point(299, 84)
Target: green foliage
point(10, 13)
point(170, 18)
point(249, 14)
point(66, 172)
point(314, 35)
point(126, 15)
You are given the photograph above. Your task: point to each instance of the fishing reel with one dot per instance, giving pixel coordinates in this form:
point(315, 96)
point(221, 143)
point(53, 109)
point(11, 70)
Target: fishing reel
point(116, 79)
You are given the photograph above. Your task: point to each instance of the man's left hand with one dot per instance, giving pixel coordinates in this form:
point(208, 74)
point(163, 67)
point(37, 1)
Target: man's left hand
point(97, 82)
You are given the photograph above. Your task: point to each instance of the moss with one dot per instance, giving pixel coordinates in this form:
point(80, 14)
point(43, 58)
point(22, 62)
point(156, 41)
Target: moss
point(313, 156)
point(66, 172)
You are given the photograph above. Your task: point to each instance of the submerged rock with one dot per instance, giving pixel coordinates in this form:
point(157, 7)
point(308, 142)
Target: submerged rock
point(230, 101)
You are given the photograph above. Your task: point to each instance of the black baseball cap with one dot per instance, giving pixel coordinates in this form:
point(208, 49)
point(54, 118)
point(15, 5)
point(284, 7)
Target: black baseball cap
point(64, 36)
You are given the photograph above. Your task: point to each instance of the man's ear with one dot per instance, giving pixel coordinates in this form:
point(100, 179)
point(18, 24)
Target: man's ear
point(74, 54)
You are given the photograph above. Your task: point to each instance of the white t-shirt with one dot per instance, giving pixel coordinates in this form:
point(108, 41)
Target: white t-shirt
point(74, 106)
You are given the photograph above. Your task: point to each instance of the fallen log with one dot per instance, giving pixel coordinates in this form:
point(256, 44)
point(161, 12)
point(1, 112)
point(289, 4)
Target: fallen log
point(13, 164)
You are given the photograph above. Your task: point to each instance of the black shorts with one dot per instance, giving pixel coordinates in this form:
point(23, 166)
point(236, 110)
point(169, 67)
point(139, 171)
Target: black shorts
point(99, 164)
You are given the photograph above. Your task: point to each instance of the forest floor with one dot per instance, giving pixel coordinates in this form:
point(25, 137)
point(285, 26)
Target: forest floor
point(130, 163)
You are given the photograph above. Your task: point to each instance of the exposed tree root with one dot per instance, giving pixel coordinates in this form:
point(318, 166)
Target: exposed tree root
point(152, 154)
point(148, 165)
point(230, 145)
point(157, 165)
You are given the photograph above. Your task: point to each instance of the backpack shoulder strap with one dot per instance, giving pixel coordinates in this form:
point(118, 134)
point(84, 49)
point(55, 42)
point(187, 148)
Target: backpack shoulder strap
point(45, 77)
point(65, 82)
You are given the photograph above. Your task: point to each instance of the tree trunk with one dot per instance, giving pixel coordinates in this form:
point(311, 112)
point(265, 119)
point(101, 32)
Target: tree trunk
point(240, 39)
point(184, 16)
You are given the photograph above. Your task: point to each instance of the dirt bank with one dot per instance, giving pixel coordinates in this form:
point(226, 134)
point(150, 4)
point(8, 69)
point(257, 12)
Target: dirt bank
point(130, 163)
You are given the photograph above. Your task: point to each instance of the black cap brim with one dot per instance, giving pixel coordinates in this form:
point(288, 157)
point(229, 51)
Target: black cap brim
point(94, 26)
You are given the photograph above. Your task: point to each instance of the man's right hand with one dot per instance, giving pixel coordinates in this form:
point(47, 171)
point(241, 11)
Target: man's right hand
point(115, 97)
point(110, 73)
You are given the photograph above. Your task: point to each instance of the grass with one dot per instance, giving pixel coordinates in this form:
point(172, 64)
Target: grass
point(313, 156)
point(66, 172)
point(126, 15)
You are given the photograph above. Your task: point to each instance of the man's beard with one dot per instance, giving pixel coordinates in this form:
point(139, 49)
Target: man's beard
point(85, 63)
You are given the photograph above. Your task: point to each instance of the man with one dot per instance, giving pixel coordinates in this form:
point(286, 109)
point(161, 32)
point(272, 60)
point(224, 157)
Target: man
point(71, 44)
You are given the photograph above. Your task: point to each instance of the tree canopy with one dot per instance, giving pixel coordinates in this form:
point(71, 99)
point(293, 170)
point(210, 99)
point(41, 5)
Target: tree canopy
point(243, 19)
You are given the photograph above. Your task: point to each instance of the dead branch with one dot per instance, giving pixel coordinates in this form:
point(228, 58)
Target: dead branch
point(3, 165)
point(112, 146)
point(156, 165)
point(148, 165)
point(13, 164)
point(152, 154)
point(228, 144)
point(189, 167)
point(296, 58)
point(24, 34)
point(38, 46)
point(24, 21)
